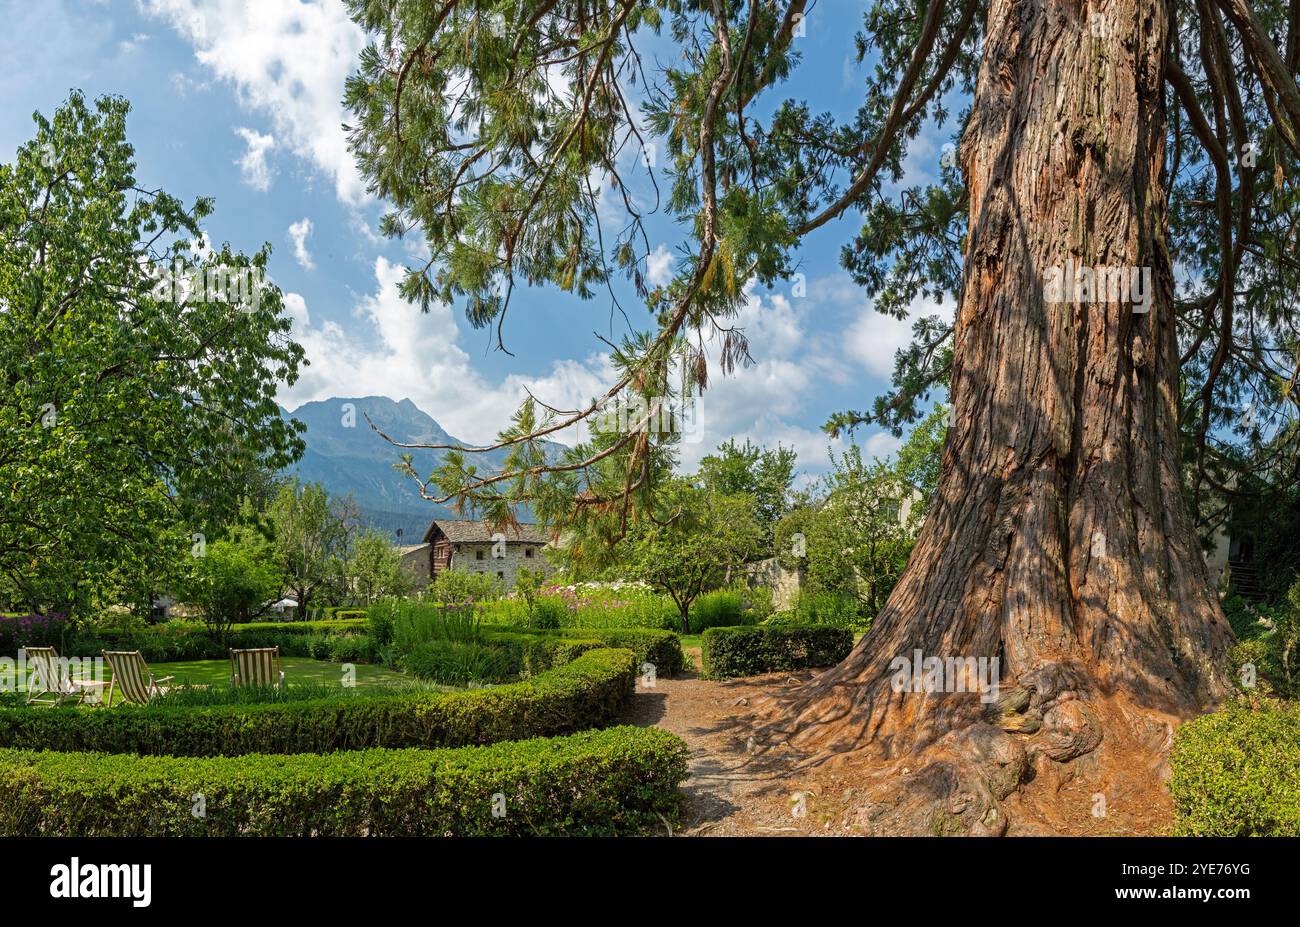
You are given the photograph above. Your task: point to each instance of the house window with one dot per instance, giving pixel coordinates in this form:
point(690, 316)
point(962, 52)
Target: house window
point(528, 552)
point(501, 574)
point(478, 555)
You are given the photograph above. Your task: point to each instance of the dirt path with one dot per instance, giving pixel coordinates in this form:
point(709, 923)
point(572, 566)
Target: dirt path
point(730, 791)
point(734, 792)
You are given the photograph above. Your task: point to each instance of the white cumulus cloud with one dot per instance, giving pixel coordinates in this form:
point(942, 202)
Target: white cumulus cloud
point(659, 266)
point(288, 61)
point(298, 233)
point(252, 163)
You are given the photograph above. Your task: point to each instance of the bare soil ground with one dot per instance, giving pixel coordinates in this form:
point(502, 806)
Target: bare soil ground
point(734, 790)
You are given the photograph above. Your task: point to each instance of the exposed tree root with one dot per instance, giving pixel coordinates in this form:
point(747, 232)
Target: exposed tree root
point(1024, 764)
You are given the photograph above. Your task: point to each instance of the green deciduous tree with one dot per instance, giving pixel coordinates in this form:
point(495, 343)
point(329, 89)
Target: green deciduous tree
point(693, 545)
point(854, 541)
point(312, 538)
point(763, 474)
point(374, 569)
point(232, 580)
point(132, 412)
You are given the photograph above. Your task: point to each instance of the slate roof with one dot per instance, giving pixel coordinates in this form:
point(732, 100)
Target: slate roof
point(480, 532)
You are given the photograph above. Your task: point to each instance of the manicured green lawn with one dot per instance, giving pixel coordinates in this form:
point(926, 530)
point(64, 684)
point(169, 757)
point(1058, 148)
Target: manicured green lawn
point(299, 670)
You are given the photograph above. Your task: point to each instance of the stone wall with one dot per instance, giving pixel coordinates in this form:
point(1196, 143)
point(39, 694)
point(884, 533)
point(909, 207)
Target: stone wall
point(503, 561)
point(783, 583)
point(415, 563)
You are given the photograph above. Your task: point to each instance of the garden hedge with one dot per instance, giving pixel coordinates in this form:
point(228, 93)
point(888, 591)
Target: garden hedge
point(749, 651)
point(171, 641)
point(619, 780)
point(497, 658)
point(588, 692)
point(662, 649)
point(532, 654)
point(1236, 773)
point(352, 625)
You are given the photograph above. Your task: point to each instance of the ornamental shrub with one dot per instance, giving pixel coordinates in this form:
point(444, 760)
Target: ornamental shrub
point(749, 651)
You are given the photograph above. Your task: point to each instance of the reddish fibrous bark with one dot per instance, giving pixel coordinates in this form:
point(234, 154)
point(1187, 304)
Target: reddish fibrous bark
point(1060, 541)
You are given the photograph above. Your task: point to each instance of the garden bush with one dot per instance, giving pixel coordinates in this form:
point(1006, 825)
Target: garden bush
point(182, 640)
point(662, 649)
point(1244, 616)
point(761, 602)
point(722, 608)
point(749, 651)
point(340, 648)
point(531, 654)
point(590, 607)
point(617, 781)
point(457, 663)
point(587, 692)
point(828, 608)
point(351, 648)
point(452, 587)
point(31, 630)
point(498, 656)
point(379, 621)
point(548, 613)
point(416, 623)
point(1236, 773)
point(1269, 640)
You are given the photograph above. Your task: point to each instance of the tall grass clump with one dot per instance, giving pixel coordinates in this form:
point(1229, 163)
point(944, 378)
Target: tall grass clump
point(416, 623)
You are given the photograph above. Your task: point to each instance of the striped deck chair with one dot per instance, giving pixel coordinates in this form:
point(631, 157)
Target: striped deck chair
point(51, 684)
point(133, 678)
point(256, 667)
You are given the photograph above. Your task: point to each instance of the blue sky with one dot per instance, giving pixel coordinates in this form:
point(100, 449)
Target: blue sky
point(240, 101)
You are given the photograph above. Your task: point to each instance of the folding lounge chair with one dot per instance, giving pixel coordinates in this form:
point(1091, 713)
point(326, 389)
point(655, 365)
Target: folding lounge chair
point(133, 678)
point(51, 683)
point(256, 667)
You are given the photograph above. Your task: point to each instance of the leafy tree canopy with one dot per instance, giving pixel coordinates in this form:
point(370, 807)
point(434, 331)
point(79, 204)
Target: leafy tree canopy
point(133, 410)
point(508, 132)
point(696, 542)
point(765, 475)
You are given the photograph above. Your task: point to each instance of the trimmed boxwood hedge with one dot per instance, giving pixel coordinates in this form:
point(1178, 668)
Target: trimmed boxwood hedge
point(531, 654)
point(749, 651)
point(614, 781)
point(588, 692)
point(1236, 773)
point(662, 649)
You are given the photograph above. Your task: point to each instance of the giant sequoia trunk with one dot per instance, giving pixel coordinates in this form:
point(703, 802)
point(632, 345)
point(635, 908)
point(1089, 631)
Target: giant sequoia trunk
point(1060, 542)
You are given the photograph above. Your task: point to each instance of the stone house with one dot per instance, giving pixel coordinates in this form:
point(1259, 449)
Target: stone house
point(476, 547)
